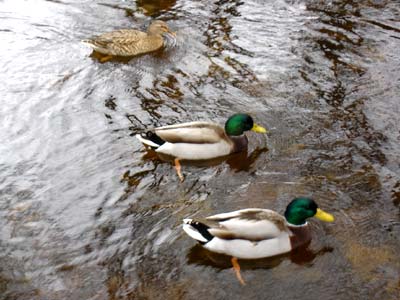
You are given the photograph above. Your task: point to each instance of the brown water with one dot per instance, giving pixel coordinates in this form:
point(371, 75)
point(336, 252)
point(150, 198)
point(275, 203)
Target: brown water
point(86, 213)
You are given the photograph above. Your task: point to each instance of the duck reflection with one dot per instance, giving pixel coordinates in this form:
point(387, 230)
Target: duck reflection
point(155, 8)
point(303, 255)
point(241, 161)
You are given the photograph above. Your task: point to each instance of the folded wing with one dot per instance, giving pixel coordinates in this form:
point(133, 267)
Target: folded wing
point(192, 132)
point(250, 224)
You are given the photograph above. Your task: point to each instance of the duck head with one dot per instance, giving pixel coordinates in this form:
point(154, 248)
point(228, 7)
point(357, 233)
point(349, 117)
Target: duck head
point(239, 123)
point(302, 208)
point(159, 28)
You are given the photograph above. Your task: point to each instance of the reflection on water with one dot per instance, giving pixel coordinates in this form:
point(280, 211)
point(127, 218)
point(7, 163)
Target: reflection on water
point(87, 213)
point(241, 161)
point(155, 8)
point(202, 257)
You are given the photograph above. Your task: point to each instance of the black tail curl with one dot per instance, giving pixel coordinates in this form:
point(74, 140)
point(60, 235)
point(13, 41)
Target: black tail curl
point(150, 135)
point(202, 229)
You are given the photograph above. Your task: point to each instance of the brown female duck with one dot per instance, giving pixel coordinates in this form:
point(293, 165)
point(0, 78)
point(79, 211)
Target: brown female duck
point(131, 42)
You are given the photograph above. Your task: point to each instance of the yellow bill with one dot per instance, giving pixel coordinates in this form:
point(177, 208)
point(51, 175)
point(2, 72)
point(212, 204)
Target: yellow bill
point(258, 128)
point(324, 216)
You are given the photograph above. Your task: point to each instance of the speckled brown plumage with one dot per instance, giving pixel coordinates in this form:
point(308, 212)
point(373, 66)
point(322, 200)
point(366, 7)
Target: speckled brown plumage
point(130, 42)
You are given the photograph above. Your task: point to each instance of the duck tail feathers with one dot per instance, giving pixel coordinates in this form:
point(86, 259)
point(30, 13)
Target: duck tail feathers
point(88, 42)
point(151, 139)
point(197, 231)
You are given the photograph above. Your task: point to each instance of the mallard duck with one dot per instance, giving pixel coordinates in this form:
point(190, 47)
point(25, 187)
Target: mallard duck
point(131, 42)
point(254, 233)
point(200, 140)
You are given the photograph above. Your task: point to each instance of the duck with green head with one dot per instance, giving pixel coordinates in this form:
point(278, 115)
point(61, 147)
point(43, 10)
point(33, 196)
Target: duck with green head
point(254, 233)
point(201, 140)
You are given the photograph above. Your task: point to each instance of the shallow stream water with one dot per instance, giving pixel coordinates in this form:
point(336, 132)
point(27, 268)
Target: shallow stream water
point(87, 213)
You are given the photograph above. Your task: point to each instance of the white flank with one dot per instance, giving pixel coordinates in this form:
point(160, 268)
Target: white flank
point(192, 151)
point(251, 250)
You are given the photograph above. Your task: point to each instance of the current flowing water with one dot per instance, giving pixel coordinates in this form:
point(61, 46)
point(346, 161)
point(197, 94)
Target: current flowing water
point(87, 213)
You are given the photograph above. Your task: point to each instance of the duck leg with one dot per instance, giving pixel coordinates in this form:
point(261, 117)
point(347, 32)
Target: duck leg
point(178, 169)
point(106, 58)
point(236, 268)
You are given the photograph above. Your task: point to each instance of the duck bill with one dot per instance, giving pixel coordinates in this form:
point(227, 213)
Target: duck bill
point(324, 216)
point(259, 129)
point(173, 34)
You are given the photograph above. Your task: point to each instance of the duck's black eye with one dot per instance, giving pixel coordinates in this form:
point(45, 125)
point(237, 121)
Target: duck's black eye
point(249, 123)
point(312, 206)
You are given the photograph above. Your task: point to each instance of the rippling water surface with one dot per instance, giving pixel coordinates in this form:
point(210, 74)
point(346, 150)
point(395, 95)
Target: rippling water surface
point(87, 213)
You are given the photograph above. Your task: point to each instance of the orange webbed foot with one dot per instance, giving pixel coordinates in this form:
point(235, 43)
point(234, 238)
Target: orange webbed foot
point(178, 169)
point(236, 268)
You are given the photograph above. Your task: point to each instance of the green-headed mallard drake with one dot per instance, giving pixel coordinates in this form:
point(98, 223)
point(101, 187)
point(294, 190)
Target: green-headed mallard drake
point(201, 140)
point(254, 233)
point(131, 42)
